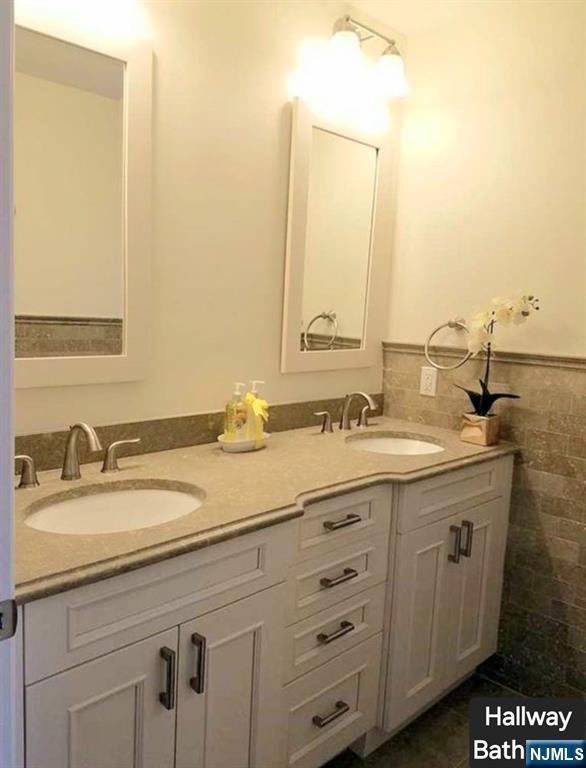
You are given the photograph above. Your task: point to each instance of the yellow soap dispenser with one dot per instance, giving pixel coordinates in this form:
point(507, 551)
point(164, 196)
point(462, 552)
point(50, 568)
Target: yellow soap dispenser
point(233, 424)
point(257, 414)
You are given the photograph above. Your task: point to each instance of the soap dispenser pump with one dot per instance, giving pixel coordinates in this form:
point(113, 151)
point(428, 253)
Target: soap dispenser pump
point(254, 386)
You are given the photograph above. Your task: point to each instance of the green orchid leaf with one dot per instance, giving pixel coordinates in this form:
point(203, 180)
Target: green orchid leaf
point(482, 402)
point(475, 397)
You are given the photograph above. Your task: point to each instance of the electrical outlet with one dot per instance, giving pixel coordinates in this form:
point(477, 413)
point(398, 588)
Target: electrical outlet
point(428, 381)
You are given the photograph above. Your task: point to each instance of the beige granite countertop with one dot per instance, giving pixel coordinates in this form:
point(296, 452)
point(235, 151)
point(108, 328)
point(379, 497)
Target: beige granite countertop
point(244, 492)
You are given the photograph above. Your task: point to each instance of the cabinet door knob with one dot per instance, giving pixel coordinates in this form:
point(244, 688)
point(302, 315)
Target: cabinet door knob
point(341, 709)
point(466, 550)
point(167, 698)
point(198, 681)
point(349, 573)
point(345, 628)
point(335, 525)
point(455, 556)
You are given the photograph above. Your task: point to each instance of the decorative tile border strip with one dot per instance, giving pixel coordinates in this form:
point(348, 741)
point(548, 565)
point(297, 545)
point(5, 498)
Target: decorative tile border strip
point(176, 431)
point(523, 358)
point(48, 336)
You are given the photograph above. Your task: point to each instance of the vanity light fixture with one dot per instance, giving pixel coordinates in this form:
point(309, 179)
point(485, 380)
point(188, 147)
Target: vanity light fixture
point(346, 36)
point(349, 34)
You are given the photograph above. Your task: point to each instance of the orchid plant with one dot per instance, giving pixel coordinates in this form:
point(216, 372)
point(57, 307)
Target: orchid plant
point(503, 311)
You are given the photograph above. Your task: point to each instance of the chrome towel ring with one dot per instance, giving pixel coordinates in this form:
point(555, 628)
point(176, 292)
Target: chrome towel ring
point(459, 325)
point(331, 316)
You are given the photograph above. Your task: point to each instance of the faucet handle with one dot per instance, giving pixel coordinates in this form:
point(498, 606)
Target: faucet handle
point(110, 457)
point(28, 473)
point(362, 422)
point(326, 425)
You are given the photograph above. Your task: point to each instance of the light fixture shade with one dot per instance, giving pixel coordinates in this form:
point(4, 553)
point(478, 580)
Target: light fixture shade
point(345, 41)
point(390, 70)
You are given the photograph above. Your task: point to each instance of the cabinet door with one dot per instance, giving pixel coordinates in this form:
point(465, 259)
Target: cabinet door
point(106, 713)
point(230, 710)
point(476, 586)
point(420, 620)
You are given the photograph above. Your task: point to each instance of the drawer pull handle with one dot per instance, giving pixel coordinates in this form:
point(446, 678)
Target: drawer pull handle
point(455, 556)
point(198, 682)
point(167, 698)
point(341, 709)
point(345, 627)
point(349, 573)
point(335, 525)
point(466, 550)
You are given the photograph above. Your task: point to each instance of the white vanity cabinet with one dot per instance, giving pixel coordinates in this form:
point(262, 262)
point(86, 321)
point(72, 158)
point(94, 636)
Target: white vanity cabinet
point(106, 713)
point(446, 586)
point(335, 610)
point(278, 648)
point(229, 686)
point(204, 693)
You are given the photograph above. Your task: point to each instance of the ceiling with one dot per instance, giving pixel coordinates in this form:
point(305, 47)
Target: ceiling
point(414, 17)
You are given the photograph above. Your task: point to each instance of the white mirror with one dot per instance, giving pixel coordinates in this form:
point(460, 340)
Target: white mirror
point(334, 246)
point(69, 249)
point(341, 195)
point(82, 123)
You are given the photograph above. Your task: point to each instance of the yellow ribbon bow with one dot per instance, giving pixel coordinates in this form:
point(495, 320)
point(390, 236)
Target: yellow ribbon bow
point(260, 409)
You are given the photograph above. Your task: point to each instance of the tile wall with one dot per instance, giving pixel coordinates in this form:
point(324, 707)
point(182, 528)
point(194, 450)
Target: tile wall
point(542, 647)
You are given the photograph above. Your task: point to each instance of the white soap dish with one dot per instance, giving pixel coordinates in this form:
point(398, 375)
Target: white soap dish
point(242, 446)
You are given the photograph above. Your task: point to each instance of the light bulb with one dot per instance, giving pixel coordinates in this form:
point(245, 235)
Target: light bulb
point(390, 72)
point(345, 41)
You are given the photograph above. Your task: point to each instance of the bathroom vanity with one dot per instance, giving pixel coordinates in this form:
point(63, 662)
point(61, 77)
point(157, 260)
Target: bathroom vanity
point(361, 589)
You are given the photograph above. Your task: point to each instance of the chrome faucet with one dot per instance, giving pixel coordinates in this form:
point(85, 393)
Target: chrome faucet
point(28, 473)
point(71, 460)
point(345, 418)
point(111, 456)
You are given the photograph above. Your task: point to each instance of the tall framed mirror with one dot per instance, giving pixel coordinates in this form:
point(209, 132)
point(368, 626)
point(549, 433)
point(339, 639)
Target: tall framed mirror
point(337, 245)
point(82, 126)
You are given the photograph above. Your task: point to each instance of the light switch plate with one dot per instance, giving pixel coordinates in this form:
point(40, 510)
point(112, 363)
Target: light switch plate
point(428, 381)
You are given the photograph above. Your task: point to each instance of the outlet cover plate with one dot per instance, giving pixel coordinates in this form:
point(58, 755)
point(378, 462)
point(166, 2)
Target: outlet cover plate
point(428, 381)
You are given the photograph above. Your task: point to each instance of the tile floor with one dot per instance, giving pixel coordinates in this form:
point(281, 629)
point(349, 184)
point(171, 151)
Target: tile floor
point(437, 739)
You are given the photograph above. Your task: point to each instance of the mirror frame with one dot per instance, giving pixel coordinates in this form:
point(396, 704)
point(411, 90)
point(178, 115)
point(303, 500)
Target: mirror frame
point(293, 359)
point(131, 365)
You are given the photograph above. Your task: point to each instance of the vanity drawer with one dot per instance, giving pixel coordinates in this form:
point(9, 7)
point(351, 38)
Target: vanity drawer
point(333, 705)
point(427, 501)
point(75, 626)
point(343, 519)
point(320, 638)
point(317, 584)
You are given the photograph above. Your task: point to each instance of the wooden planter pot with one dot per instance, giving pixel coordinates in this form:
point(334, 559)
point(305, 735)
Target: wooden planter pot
point(481, 430)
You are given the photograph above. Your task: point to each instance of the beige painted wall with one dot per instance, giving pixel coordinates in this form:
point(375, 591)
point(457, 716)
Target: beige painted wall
point(221, 163)
point(68, 231)
point(492, 185)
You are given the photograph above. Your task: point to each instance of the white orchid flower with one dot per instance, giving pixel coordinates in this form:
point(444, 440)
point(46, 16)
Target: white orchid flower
point(481, 319)
point(502, 310)
point(478, 338)
point(521, 309)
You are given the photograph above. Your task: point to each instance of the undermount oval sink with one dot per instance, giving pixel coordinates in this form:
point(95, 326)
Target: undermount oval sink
point(394, 443)
point(115, 507)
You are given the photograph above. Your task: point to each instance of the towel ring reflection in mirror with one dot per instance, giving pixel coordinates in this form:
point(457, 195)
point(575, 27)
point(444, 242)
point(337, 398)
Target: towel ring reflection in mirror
point(457, 324)
point(331, 316)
